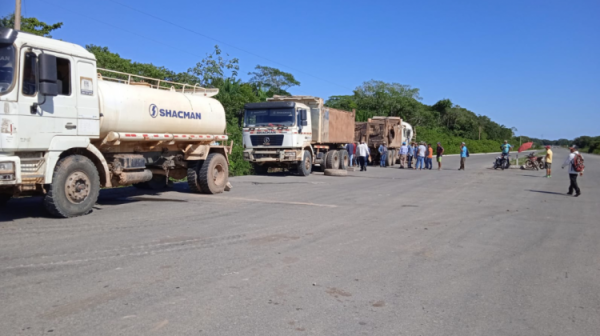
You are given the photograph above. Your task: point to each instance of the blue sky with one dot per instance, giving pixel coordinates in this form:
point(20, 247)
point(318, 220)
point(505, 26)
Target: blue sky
point(534, 65)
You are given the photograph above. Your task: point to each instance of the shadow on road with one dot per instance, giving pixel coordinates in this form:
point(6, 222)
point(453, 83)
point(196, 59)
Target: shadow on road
point(548, 192)
point(534, 175)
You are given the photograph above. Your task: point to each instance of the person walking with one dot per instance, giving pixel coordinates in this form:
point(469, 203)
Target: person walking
point(464, 154)
point(409, 155)
point(548, 162)
point(403, 155)
point(421, 156)
point(350, 150)
point(363, 153)
point(575, 163)
point(429, 163)
point(438, 155)
point(383, 151)
point(356, 156)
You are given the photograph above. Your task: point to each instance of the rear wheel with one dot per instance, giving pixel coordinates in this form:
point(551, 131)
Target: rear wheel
point(344, 159)
point(214, 174)
point(74, 189)
point(4, 198)
point(332, 160)
point(305, 167)
point(260, 169)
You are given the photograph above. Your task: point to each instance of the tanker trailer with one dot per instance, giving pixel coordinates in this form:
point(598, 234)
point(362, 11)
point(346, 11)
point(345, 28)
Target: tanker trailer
point(68, 128)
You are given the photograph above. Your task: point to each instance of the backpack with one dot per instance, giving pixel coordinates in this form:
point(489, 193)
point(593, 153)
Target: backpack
point(578, 165)
point(468, 152)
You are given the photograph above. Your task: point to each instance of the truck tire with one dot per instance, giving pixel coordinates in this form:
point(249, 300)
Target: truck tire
point(344, 159)
point(74, 189)
point(305, 167)
point(214, 174)
point(4, 198)
point(158, 182)
point(335, 172)
point(333, 160)
point(260, 169)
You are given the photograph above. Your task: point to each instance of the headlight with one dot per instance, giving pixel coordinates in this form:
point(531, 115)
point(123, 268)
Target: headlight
point(246, 155)
point(7, 167)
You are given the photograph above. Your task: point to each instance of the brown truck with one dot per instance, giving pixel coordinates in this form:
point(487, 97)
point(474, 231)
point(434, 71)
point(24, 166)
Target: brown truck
point(391, 131)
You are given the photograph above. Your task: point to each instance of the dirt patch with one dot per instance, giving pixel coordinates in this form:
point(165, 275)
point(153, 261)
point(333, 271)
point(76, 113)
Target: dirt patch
point(336, 292)
point(85, 304)
point(379, 304)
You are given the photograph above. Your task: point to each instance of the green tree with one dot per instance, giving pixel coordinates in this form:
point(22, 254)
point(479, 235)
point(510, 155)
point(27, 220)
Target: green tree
point(30, 25)
point(215, 66)
point(273, 79)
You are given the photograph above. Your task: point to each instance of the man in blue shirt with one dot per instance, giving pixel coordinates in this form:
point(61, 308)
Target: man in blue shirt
point(506, 148)
point(383, 154)
point(464, 154)
point(350, 150)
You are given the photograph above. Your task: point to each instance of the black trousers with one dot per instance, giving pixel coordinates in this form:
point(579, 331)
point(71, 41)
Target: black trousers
point(362, 160)
point(573, 185)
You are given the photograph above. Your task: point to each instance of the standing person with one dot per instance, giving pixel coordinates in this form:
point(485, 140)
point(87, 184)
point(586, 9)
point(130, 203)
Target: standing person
point(403, 154)
point(438, 155)
point(464, 154)
point(382, 154)
point(409, 155)
point(355, 156)
point(421, 156)
point(429, 157)
point(415, 154)
point(548, 162)
point(575, 162)
point(350, 150)
point(363, 153)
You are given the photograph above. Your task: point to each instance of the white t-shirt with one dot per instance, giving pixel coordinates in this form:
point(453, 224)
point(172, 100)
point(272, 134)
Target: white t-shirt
point(404, 150)
point(363, 150)
point(422, 150)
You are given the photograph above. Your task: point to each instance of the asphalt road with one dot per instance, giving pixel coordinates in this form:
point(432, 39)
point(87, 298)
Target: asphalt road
point(382, 252)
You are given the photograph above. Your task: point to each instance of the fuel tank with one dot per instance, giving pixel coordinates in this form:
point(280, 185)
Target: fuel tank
point(141, 109)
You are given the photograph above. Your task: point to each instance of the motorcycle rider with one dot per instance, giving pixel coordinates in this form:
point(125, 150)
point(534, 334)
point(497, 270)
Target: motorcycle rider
point(506, 147)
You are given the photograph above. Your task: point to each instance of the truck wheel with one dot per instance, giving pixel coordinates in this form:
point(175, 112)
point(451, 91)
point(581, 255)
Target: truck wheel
point(74, 189)
point(336, 172)
point(4, 198)
point(344, 159)
point(333, 160)
point(158, 182)
point(214, 174)
point(305, 167)
point(260, 169)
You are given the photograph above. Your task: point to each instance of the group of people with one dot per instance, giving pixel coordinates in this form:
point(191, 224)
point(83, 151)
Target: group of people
point(414, 156)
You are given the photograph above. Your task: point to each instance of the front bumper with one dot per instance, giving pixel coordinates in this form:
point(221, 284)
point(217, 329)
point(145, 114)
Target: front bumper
point(273, 155)
point(10, 177)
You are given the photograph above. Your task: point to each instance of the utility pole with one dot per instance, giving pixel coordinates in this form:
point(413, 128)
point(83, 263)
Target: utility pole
point(18, 15)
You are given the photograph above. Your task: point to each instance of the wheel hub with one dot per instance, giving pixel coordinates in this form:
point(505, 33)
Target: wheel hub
point(77, 187)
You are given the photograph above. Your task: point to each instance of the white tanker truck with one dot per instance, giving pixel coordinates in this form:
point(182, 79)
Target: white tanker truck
point(67, 128)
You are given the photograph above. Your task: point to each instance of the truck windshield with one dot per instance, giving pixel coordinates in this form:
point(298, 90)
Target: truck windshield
point(7, 65)
point(269, 117)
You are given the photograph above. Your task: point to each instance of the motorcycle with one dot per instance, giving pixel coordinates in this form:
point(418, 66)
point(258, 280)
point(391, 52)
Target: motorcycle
point(502, 161)
point(534, 162)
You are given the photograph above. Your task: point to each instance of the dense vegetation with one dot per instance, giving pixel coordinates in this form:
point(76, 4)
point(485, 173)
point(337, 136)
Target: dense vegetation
point(443, 121)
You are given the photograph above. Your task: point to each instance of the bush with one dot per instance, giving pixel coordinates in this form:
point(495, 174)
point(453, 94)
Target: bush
point(452, 143)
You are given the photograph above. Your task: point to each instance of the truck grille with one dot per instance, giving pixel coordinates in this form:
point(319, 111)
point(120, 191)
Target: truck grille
point(271, 140)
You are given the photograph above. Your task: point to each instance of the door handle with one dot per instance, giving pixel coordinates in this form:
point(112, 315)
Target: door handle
point(70, 126)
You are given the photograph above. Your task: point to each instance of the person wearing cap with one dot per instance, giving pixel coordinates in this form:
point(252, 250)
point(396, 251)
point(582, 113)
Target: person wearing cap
point(548, 162)
point(573, 186)
point(438, 155)
point(403, 154)
point(464, 153)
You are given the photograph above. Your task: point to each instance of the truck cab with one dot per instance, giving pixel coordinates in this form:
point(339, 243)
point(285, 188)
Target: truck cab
point(276, 132)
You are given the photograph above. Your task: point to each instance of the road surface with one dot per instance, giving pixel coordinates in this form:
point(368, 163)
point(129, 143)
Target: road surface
point(382, 252)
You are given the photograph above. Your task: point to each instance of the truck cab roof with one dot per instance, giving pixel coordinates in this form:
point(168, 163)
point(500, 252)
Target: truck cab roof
point(25, 39)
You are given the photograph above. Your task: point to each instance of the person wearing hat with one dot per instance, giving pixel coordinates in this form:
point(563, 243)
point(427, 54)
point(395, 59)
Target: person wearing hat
point(438, 155)
point(573, 186)
point(403, 155)
point(548, 162)
point(464, 154)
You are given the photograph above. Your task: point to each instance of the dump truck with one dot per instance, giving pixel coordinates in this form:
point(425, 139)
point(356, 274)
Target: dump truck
point(68, 128)
point(391, 131)
point(296, 133)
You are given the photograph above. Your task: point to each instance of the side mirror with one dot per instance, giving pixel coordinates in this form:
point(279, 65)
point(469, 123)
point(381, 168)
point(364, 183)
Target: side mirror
point(48, 75)
point(304, 117)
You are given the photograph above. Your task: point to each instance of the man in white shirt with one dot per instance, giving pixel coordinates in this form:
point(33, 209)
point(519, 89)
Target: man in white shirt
point(403, 154)
point(421, 156)
point(572, 172)
point(363, 154)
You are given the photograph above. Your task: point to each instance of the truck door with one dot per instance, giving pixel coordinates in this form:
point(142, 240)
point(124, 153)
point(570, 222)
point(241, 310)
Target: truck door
point(88, 114)
point(54, 115)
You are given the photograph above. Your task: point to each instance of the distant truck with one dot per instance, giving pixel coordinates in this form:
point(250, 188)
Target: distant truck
point(297, 133)
point(67, 128)
point(379, 130)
